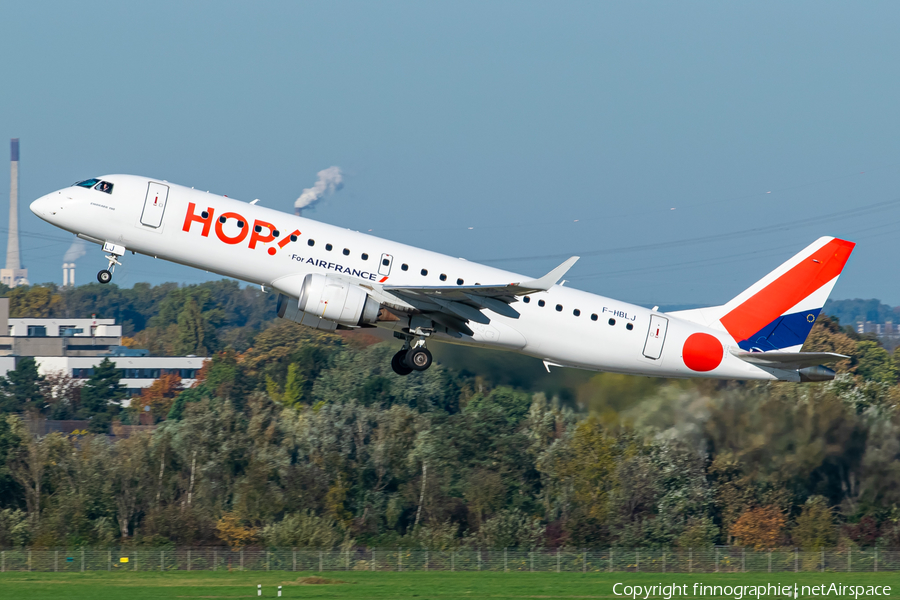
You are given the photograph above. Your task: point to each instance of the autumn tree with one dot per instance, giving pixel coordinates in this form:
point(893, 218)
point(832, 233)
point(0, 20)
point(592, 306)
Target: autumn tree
point(759, 528)
point(232, 532)
point(160, 395)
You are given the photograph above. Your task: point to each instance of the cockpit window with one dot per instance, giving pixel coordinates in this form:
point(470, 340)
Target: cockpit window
point(104, 186)
point(87, 183)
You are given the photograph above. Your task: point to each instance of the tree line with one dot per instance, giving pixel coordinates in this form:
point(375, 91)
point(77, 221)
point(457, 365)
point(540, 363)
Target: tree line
point(300, 438)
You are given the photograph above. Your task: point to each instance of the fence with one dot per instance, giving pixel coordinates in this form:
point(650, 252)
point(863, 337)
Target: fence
point(718, 560)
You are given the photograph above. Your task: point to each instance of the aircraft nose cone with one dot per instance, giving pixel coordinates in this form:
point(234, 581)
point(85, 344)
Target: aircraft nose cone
point(43, 207)
point(37, 207)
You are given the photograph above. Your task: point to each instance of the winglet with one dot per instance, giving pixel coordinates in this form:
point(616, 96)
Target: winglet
point(550, 279)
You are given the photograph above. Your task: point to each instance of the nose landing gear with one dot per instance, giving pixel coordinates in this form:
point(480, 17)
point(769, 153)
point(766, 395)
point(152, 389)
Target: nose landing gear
point(115, 251)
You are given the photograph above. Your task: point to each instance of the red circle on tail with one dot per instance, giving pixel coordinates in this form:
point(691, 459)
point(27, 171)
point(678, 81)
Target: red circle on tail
point(702, 352)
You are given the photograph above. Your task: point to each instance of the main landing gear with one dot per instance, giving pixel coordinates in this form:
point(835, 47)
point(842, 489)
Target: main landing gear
point(413, 356)
point(115, 251)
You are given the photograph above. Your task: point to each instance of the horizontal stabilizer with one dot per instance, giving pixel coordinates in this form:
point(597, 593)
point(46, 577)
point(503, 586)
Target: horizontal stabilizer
point(789, 360)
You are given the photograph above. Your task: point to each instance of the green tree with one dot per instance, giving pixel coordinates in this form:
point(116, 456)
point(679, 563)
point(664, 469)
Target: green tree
point(875, 363)
point(293, 388)
point(815, 525)
point(195, 335)
point(22, 387)
point(100, 396)
point(11, 437)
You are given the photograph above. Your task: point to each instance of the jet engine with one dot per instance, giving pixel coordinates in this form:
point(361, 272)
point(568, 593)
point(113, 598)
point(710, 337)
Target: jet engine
point(326, 303)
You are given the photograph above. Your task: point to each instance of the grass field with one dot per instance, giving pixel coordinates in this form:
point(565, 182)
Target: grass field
point(422, 586)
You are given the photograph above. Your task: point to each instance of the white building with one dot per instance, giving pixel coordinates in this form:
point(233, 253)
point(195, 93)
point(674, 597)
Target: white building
point(76, 346)
point(138, 372)
point(64, 328)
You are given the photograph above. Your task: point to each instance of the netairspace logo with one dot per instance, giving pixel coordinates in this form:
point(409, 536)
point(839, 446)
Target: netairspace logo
point(753, 591)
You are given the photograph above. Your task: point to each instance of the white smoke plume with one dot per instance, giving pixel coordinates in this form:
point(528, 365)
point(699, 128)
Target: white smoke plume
point(75, 251)
point(330, 180)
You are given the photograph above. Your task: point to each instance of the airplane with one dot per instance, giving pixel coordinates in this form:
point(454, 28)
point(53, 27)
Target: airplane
point(331, 278)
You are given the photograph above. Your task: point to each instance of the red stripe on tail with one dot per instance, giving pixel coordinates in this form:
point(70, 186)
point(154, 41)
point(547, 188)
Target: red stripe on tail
point(800, 281)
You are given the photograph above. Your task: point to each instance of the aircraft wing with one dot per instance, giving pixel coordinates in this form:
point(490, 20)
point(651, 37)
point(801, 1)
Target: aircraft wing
point(789, 361)
point(465, 302)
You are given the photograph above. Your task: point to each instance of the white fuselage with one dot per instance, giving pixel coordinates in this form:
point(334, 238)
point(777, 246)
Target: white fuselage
point(548, 327)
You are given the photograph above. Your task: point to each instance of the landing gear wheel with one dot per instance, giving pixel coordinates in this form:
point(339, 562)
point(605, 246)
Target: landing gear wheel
point(104, 276)
point(398, 364)
point(418, 358)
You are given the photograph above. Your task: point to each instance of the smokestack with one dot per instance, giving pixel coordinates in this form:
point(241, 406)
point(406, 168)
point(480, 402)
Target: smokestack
point(13, 274)
point(72, 274)
point(12, 245)
point(65, 274)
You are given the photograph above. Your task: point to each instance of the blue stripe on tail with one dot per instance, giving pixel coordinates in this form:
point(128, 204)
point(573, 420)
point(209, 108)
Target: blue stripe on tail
point(783, 332)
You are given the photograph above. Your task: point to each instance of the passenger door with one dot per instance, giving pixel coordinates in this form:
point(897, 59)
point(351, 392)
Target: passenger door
point(656, 337)
point(154, 204)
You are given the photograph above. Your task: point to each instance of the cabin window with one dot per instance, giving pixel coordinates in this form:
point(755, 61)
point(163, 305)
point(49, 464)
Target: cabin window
point(276, 233)
point(293, 238)
point(424, 272)
point(594, 317)
point(404, 267)
point(576, 312)
point(541, 303)
point(328, 247)
point(346, 251)
point(526, 299)
point(385, 262)
point(365, 256)
point(311, 242)
point(629, 326)
point(443, 277)
point(459, 282)
point(222, 219)
point(241, 224)
point(612, 321)
point(559, 308)
point(257, 228)
point(204, 214)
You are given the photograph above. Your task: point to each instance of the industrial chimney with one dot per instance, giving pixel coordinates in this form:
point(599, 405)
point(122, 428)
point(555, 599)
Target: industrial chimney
point(13, 274)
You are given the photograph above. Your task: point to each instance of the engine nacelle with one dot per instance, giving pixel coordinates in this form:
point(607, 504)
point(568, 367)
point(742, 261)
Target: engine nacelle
point(326, 302)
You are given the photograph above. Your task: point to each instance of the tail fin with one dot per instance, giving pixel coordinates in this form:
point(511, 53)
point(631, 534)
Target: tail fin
point(778, 311)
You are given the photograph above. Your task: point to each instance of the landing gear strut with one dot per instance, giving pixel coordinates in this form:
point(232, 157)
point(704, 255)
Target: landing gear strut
point(413, 356)
point(115, 251)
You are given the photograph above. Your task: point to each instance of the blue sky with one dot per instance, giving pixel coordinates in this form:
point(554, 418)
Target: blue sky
point(510, 132)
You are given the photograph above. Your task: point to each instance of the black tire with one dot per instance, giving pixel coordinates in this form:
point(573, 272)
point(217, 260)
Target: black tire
point(418, 359)
point(104, 276)
point(398, 364)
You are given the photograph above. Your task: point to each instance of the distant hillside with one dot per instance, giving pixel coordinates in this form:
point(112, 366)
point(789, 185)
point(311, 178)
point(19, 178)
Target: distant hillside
point(849, 312)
